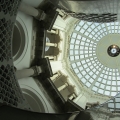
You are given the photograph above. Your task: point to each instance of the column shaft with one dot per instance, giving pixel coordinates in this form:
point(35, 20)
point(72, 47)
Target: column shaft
point(62, 87)
point(34, 71)
point(71, 97)
point(28, 9)
point(24, 73)
point(50, 57)
point(52, 31)
point(51, 44)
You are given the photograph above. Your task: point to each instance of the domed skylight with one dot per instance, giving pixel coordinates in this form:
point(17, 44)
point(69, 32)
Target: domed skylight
point(89, 57)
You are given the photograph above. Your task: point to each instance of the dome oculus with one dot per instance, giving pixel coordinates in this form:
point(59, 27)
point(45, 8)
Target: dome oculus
point(113, 50)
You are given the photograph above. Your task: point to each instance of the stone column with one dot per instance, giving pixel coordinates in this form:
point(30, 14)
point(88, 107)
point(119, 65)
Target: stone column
point(51, 57)
point(27, 9)
point(62, 87)
point(54, 77)
point(53, 31)
point(34, 71)
point(71, 97)
point(51, 44)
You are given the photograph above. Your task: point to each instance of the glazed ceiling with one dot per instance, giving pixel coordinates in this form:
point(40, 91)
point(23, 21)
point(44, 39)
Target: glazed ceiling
point(89, 59)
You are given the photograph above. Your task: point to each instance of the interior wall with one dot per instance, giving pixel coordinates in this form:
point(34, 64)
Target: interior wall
point(31, 82)
point(84, 97)
point(82, 101)
point(24, 60)
point(56, 66)
point(65, 93)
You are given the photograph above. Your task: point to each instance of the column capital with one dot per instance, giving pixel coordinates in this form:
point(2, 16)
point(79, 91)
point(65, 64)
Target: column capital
point(41, 15)
point(55, 45)
point(37, 70)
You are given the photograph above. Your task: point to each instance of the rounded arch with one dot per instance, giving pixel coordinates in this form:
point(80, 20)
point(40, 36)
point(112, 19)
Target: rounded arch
point(34, 99)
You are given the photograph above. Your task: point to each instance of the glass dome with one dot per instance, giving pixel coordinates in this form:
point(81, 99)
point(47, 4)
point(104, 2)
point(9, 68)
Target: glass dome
point(89, 58)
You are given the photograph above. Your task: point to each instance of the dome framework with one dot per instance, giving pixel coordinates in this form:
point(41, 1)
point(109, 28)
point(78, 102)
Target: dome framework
point(89, 58)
